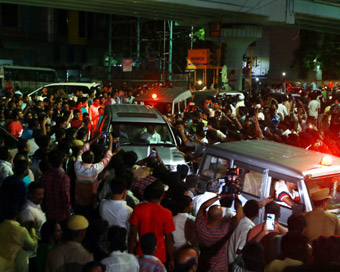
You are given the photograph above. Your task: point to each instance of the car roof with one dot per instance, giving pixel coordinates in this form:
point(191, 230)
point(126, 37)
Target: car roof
point(283, 159)
point(214, 92)
point(84, 84)
point(133, 113)
point(76, 84)
point(167, 95)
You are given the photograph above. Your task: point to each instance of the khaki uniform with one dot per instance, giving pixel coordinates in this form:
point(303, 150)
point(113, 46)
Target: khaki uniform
point(320, 222)
point(68, 257)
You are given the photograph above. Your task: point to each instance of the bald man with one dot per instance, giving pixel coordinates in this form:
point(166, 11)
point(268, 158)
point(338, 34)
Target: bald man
point(213, 232)
point(186, 260)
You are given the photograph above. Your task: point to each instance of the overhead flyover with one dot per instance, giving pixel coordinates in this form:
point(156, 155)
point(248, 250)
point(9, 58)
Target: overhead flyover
point(316, 15)
point(241, 20)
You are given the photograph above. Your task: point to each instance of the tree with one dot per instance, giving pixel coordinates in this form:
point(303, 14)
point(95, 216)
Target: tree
point(318, 49)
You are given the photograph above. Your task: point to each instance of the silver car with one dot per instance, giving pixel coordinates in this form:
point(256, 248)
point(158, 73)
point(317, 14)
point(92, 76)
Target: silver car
point(142, 128)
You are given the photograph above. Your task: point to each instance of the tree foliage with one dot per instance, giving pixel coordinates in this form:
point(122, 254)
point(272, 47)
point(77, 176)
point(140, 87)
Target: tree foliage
point(318, 49)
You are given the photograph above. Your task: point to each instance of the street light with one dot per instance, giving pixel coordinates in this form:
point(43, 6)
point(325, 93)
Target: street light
point(284, 74)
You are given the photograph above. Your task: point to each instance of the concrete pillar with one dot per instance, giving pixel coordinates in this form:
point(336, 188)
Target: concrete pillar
point(237, 39)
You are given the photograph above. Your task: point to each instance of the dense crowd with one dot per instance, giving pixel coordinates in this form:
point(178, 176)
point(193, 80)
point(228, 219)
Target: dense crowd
point(71, 200)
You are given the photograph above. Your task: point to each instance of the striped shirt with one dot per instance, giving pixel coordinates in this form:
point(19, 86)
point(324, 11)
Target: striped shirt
point(209, 236)
point(149, 263)
point(87, 177)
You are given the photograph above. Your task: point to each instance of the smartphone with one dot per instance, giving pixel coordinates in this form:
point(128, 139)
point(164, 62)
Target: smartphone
point(270, 221)
point(154, 152)
point(221, 180)
point(106, 134)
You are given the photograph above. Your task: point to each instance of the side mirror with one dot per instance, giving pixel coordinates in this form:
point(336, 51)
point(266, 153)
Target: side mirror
point(178, 140)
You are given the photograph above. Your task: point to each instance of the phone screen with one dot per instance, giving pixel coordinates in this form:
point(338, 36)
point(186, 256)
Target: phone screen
point(153, 153)
point(270, 221)
point(221, 180)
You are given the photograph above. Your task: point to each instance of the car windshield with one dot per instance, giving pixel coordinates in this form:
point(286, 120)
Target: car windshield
point(143, 133)
point(330, 182)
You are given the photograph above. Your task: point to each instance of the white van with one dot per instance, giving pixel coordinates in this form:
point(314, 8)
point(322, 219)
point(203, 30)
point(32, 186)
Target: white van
point(263, 166)
point(166, 100)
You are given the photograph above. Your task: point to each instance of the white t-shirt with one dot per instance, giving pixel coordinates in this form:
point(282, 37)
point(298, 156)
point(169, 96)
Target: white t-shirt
point(34, 213)
point(180, 221)
point(152, 139)
point(116, 212)
point(282, 110)
point(313, 107)
point(239, 238)
point(121, 262)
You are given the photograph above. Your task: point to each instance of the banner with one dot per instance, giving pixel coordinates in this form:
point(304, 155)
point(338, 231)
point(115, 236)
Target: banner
point(198, 59)
point(127, 65)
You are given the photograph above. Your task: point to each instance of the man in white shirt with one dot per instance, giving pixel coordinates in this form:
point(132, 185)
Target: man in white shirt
point(151, 136)
point(314, 108)
point(239, 237)
point(31, 216)
point(6, 168)
point(213, 187)
point(184, 224)
point(115, 210)
point(282, 109)
point(32, 212)
point(119, 260)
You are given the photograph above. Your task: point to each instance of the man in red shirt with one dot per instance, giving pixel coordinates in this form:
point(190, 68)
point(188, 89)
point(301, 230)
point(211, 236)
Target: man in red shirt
point(15, 127)
point(152, 217)
point(76, 122)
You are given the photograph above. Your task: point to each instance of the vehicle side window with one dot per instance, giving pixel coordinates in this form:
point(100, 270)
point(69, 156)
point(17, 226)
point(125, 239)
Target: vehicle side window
point(280, 192)
point(251, 182)
point(215, 167)
point(182, 106)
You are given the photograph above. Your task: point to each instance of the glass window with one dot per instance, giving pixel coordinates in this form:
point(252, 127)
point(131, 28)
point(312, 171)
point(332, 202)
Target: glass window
point(143, 134)
point(215, 167)
point(330, 182)
point(9, 15)
point(182, 106)
point(251, 182)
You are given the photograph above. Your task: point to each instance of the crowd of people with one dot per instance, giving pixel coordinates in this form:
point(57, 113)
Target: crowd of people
point(72, 200)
